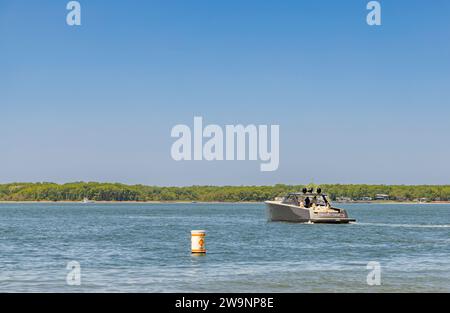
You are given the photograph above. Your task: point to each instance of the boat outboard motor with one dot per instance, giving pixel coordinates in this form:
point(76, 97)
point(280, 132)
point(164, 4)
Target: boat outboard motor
point(319, 190)
point(305, 190)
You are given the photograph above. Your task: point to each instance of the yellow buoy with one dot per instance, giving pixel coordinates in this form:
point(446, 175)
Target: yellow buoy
point(198, 241)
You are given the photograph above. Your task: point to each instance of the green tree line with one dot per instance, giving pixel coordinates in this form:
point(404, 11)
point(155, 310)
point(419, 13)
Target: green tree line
point(120, 192)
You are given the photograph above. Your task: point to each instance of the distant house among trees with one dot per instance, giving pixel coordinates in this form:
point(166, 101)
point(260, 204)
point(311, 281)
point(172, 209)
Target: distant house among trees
point(343, 199)
point(381, 197)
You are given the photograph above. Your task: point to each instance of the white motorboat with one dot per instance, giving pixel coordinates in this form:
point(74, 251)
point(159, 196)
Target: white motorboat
point(308, 206)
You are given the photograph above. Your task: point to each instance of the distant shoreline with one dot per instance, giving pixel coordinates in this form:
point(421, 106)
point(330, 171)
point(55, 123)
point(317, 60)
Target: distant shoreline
point(46, 192)
point(134, 202)
point(209, 202)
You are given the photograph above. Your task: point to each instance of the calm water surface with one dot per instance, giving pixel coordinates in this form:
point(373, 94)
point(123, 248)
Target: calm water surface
point(146, 248)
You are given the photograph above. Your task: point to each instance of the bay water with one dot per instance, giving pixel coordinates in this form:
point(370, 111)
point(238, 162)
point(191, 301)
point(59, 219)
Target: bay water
point(139, 247)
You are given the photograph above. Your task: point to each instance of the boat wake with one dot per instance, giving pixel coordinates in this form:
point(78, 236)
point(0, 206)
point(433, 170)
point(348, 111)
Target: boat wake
point(406, 225)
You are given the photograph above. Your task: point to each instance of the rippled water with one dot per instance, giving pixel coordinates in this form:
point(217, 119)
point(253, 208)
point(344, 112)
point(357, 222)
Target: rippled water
point(146, 248)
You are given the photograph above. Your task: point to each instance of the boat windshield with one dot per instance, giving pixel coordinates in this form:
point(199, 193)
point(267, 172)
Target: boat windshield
point(322, 200)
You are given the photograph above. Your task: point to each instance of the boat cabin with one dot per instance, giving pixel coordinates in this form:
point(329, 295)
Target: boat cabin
point(307, 199)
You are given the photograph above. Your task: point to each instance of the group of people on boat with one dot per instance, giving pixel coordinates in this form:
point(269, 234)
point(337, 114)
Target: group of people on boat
point(307, 203)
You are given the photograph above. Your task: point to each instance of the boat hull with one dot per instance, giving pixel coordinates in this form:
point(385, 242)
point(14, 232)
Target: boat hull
point(278, 211)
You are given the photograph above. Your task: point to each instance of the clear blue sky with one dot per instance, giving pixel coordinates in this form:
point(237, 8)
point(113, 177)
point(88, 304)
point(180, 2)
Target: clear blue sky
point(356, 104)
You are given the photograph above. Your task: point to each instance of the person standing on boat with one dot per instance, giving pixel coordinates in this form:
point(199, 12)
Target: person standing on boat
point(307, 202)
point(326, 201)
point(314, 201)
